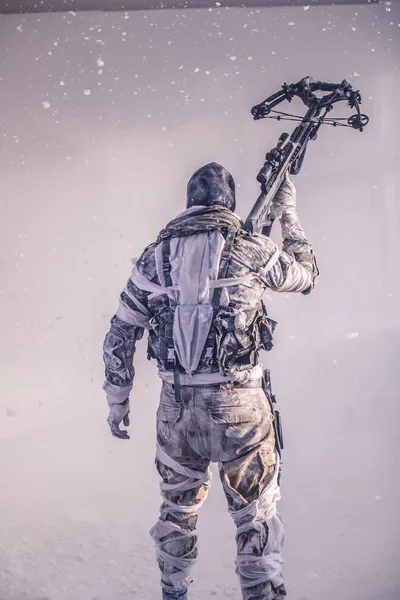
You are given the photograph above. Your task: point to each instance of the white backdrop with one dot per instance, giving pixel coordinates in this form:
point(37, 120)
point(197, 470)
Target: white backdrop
point(104, 117)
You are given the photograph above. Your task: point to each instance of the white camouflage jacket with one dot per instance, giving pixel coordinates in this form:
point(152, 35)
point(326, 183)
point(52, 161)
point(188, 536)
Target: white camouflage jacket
point(191, 328)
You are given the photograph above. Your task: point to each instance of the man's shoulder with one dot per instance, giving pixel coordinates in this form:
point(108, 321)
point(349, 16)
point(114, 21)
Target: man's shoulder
point(255, 246)
point(146, 263)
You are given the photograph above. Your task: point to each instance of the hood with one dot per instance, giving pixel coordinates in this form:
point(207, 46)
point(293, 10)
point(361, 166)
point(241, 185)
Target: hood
point(211, 185)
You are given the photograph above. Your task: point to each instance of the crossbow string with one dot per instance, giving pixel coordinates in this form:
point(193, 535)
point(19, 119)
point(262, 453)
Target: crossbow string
point(304, 89)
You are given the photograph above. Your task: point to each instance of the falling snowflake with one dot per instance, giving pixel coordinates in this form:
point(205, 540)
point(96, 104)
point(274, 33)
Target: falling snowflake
point(100, 62)
point(233, 58)
point(87, 92)
point(291, 23)
point(19, 28)
point(352, 335)
point(46, 104)
point(306, 7)
point(72, 13)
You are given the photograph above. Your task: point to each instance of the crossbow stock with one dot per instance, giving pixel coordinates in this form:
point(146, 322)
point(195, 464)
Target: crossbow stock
point(288, 155)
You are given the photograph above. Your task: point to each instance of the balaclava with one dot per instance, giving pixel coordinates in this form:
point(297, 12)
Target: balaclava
point(211, 185)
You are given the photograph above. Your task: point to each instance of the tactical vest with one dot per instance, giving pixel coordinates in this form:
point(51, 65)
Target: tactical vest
point(195, 329)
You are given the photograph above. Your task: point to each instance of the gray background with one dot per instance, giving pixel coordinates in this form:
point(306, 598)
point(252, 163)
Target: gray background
point(94, 160)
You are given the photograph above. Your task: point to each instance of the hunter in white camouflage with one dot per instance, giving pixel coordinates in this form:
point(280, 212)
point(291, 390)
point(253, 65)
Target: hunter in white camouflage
point(198, 292)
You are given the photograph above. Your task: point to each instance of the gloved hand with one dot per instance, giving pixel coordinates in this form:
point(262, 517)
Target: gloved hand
point(283, 206)
point(119, 413)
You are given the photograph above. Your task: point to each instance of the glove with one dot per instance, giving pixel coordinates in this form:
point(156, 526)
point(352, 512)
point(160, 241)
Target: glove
point(283, 206)
point(119, 413)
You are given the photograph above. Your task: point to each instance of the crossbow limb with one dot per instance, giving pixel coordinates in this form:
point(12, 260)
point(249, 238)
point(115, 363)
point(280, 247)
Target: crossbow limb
point(305, 89)
point(290, 151)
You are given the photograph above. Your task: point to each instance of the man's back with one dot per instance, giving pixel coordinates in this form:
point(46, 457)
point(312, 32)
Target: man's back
point(237, 326)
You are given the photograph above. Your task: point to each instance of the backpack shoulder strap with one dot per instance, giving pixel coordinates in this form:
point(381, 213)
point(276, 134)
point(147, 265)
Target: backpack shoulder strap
point(166, 263)
point(223, 267)
point(171, 352)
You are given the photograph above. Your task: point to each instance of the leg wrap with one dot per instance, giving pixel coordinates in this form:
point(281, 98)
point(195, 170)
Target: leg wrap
point(184, 491)
point(260, 535)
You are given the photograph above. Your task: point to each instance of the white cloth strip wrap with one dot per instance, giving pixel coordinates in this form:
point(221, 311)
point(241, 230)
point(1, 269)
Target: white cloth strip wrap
point(148, 286)
point(157, 290)
point(116, 394)
point(162, 529)
point(260, 569)
point(126, 314)
point(194, 478)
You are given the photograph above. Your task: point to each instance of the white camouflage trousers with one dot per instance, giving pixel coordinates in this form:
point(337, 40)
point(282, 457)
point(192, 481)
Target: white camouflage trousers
point(233, 427)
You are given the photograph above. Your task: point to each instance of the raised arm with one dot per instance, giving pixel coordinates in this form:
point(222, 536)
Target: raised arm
point(296, 268)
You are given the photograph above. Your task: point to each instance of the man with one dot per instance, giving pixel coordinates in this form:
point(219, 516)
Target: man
point(198, 291)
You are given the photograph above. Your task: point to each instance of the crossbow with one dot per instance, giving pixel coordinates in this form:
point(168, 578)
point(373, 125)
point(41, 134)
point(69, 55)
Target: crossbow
point(288, 154)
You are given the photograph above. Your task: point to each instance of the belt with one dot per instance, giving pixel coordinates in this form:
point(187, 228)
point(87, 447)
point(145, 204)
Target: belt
point(256, 383)
point(213, 379)
point(232, 385)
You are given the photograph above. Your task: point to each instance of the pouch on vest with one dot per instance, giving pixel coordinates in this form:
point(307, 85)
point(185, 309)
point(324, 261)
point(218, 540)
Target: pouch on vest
point(266, 328)
point(235, 346)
